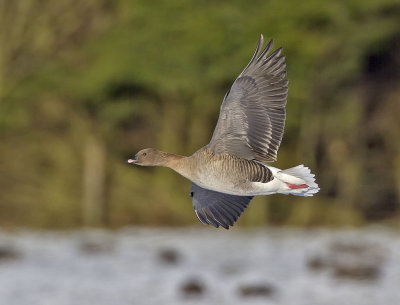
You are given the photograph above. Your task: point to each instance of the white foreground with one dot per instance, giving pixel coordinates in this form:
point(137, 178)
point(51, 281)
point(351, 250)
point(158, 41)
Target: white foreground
point(123, 267)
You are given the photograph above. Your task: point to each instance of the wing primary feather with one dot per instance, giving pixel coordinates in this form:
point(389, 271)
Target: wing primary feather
point(259, 44)
point(266, 50)
point(278, 67)
point(277, 52)
point(200, 217)
point(211, 218)
point(234, 212)
point(235, 206)
point(230, 219)
point(220, 218)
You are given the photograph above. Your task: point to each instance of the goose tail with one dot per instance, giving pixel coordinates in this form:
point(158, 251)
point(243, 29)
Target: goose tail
point(298, 181)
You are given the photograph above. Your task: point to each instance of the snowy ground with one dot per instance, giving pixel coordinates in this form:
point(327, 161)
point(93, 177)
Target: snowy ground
point(200, 266)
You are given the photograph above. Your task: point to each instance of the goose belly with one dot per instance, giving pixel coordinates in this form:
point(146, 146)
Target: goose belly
point(218, 182)
point(236, 185)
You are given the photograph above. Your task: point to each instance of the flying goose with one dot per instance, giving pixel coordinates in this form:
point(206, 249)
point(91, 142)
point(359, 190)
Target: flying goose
point(230, 170)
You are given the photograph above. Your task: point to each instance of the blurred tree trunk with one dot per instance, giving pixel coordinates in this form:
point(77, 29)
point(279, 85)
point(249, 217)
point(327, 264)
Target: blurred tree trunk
point(378, 129)
point(94, 182)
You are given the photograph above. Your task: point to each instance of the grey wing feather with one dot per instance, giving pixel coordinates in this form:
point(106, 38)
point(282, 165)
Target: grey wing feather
point(217, 209)
point(252, 115)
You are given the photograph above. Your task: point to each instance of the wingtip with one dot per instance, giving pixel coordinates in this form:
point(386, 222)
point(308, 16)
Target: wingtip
point(260, 42)
point(270, 43)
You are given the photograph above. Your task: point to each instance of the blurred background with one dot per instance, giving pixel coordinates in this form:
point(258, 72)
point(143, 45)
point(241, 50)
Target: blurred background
point(85, 85)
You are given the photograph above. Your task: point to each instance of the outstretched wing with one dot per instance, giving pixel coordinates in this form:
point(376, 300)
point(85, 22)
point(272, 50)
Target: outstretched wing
point(217, 209)
point(252, 114)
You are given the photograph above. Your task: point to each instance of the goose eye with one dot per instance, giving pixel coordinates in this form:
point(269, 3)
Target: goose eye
point(144, 154)
point(191, 194)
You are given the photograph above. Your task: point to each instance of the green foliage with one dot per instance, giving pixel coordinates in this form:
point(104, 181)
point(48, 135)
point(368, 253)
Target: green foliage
point(124, 75)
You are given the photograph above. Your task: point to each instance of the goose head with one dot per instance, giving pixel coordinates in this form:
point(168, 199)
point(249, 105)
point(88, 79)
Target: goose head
point(148, 157)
